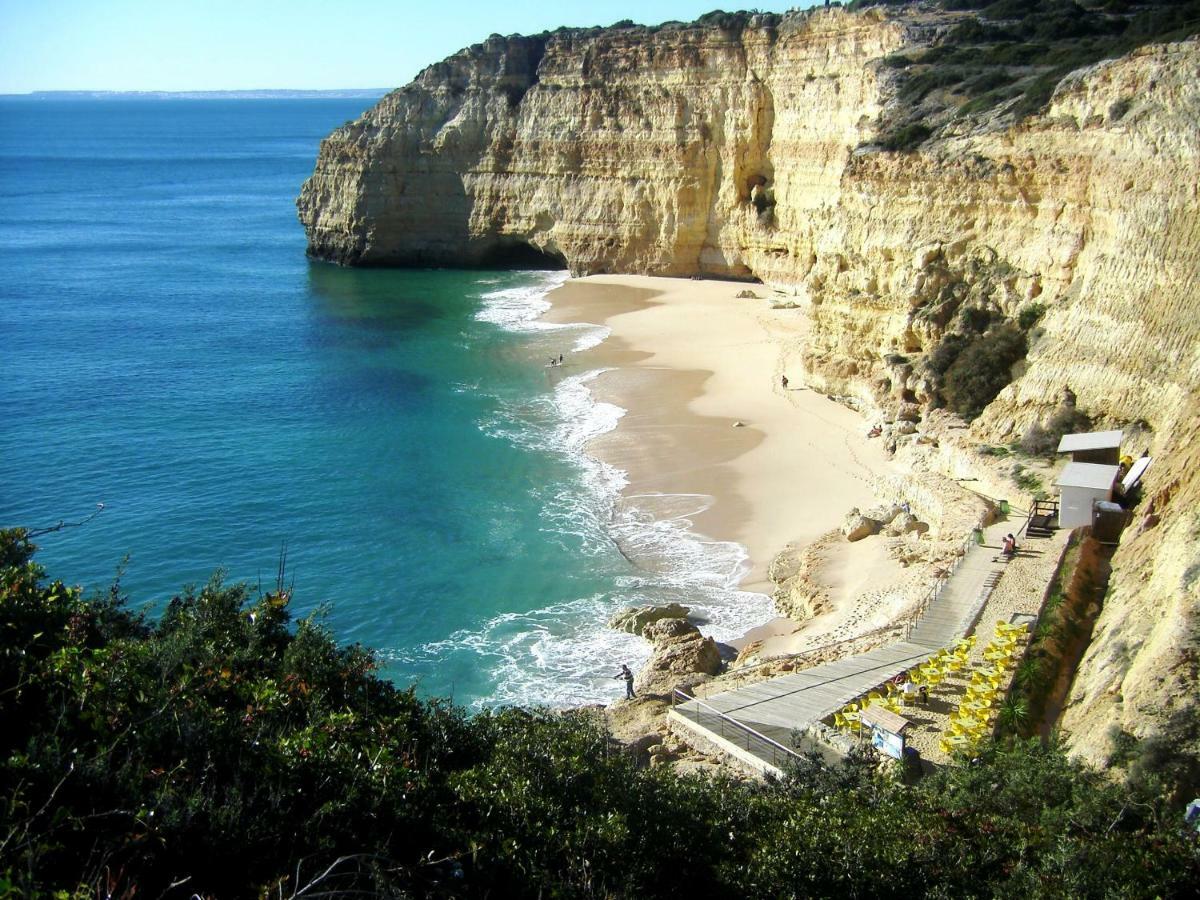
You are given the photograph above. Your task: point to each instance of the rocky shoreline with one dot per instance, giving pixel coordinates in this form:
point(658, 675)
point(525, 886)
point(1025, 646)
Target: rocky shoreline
point(683, 659)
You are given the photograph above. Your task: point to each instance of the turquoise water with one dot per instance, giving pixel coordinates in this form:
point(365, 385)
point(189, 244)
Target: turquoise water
point(169, 351)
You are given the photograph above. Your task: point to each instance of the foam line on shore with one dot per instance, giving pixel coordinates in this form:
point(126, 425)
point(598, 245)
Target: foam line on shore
point(561, 654)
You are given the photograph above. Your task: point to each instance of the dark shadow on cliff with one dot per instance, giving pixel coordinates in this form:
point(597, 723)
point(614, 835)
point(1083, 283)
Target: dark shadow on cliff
point(517, 254)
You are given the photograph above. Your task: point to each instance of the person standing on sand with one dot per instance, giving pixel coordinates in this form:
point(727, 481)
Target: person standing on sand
point(628, 676)
point(783, 381)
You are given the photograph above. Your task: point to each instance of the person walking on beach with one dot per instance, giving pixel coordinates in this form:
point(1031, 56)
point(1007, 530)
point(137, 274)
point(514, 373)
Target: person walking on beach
point(628, 676)
point(783, 381)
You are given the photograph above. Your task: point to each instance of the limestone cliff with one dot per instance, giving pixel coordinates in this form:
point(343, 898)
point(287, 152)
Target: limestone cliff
point(615, 150)
point(751, 151)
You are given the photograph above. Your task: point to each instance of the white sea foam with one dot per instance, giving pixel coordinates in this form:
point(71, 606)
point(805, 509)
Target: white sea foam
point(564, 654)
point(521, 308)
point(518, 308)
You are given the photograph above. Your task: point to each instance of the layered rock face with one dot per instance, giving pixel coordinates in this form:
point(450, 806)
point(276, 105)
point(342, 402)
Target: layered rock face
point(612, 151)
point(747, 153)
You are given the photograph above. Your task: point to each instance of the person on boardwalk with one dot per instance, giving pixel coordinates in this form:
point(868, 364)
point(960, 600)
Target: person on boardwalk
point(628, 676)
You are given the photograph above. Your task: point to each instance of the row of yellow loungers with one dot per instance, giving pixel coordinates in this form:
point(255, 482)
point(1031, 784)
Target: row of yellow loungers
point(976, 713)
point(929, 673)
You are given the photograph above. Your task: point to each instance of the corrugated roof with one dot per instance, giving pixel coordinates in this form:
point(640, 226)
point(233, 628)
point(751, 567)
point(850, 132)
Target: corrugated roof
point(1088, 475)
point(1089, 440)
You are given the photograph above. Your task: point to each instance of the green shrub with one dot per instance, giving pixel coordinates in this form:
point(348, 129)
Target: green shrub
point(1027, 481)
point(974, 379)
point(229, 751)
point(1013, 9)
point(975, 319)
point(1042, 440)
point(948, 55)
point(906, 138)
point(1021, 49)
point(1038, 92)
point(916, 87)
point(1015, 54)
point(989, 80)
point(981, 103)
point(1030, 315)
point(946, 352)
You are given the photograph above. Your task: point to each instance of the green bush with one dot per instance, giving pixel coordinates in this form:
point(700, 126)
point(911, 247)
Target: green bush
point(975, 378)
point(990, 80)
point(999, 452)
point(946, 352)
point(1030, 315)
point(1029, 482)
point(916, 87)
point(1042, 440)
point(1030, 45)
point(974, 319)
point(227, 751)
point(1015, 54)
point(906, 138)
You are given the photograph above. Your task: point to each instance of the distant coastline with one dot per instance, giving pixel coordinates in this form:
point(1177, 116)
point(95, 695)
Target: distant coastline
point(342, 94)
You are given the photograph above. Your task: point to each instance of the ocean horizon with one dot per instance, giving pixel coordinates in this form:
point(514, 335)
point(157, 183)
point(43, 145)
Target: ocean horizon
point(172, 353)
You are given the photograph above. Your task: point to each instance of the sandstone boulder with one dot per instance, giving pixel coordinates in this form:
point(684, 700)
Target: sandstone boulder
point(857, 526)
point(906, 523)
point(635, 618)
point(675, 660)
point(747, 295)
point(668, 629)
point(748, 655)
point(884, 513)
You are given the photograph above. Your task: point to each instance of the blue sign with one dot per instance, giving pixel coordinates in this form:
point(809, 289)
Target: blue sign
point(887, 742)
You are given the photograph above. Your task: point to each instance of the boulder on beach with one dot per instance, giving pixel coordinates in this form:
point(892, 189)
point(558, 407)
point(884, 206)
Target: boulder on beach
point(668, 629)
point(906, 523)
point(634, 619)
point(676, 659)
point(857, 526)
point(884, 513)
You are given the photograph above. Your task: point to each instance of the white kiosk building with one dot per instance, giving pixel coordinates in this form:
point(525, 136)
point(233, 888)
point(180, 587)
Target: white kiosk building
point(1092, 446)
point(1079, 486)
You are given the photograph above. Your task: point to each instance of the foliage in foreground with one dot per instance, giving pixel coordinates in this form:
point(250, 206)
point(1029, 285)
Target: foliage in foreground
point(226, 751)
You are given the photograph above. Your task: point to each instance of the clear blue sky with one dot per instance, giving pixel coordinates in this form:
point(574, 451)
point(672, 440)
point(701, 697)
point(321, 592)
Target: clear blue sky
point(176, 45)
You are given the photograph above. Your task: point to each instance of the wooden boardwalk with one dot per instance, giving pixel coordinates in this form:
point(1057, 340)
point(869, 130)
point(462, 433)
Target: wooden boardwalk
point(776, 707)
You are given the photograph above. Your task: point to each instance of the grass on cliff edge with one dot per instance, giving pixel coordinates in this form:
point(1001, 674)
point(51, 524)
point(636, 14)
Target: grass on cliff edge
point(1015, 53)
point(226, 750)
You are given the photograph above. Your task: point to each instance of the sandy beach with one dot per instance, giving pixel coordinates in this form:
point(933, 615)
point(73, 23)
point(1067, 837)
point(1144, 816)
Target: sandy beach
point(689, 361)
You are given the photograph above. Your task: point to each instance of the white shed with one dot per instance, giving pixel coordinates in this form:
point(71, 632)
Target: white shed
point(1080, 485)
point(1092, 446)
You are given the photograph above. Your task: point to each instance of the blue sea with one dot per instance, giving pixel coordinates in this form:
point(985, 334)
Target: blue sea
point(169, 351)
